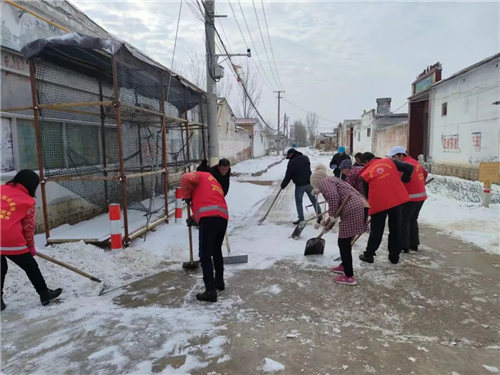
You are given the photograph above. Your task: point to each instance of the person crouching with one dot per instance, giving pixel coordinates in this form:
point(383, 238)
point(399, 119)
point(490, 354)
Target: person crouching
point(205, 194)
point(352, 219)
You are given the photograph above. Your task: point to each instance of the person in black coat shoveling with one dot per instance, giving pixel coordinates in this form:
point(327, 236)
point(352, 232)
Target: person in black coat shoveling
point(299, 171)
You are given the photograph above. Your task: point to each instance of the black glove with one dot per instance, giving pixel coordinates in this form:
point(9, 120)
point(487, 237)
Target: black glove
point(187, 200)
point(405, 180)
point(191, 222)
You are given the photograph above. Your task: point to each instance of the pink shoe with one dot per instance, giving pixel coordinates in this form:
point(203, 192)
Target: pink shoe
point(339, 269)
point(343, 279)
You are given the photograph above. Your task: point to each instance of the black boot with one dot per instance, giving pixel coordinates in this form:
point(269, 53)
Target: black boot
point(49, 295)
point(406, 251)
point(296, 222)
point(394, 259)
point(365, 257)
point(4, 306)
point(207, 296)
point(220, 285)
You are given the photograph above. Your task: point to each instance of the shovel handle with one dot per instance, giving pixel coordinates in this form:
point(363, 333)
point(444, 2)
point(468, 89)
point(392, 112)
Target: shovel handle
point(337, 214)
point(270, 207)
point(67, 266)
point(227, 244)
point(190, 235)
point(430, 180)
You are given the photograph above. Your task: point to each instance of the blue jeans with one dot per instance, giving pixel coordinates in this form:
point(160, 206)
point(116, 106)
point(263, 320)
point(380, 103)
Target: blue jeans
point(299, 194)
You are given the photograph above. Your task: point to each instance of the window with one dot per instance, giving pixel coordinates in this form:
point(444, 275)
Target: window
point(444, 109)
point(6, 146)
point(369, 132)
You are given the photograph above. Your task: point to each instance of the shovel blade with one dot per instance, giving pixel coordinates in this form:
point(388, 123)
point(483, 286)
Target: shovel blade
point(298, 230)
point(236, 259)
point(315, 246)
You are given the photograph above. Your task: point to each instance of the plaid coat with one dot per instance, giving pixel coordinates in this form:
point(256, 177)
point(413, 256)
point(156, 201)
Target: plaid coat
point(355, 180)
point(352, 220)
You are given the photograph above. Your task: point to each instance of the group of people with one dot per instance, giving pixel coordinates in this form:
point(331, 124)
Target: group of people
point(376, 188)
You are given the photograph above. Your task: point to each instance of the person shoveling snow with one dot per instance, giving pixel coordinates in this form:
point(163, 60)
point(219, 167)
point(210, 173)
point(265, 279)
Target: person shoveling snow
point(18, 232)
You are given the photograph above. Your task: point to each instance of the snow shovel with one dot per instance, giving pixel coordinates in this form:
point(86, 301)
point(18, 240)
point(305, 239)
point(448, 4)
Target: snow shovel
point(300, 227)
point(270, 207)
point(316, 246)
point(67, 266)
point(233, 259)
point(191, 265)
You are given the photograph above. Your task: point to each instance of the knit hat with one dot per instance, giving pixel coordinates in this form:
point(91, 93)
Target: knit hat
point(341, 150)
point(318, 174)
point(346, 163)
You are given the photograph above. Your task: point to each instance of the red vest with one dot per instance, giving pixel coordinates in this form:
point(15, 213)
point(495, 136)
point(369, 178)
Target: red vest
point(386, 190)
point(416, 186)
point(15, 204)
point(208, 198)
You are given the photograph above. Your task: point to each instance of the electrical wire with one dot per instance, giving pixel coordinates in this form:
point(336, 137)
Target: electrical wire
point(253, 44)
point(270, 44)
point(264, 44)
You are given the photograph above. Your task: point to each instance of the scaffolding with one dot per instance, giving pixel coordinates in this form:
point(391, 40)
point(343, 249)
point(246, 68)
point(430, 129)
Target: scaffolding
point(113, 126)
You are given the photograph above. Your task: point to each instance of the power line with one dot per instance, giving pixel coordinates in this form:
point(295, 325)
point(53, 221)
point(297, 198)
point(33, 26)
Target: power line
point(302, 109)
point(253, 44)
point(264, 44)
point(270, 44)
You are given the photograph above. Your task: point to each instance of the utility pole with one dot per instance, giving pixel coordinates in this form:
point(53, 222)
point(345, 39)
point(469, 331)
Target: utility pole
point(279, 92)
point(287, 131)
point(214, 73)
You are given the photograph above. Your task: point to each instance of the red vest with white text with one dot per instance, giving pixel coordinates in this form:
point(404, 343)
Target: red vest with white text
point(416, 187)
point(208, 198)
point(386, 190)
point(15, 203)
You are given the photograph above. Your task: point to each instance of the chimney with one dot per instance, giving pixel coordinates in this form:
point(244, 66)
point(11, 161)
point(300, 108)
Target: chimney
point(383, 106)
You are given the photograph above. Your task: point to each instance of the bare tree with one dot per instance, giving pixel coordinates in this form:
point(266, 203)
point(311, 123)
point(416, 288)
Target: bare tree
point(300, 135)
point(251, 82)
point(312, 126)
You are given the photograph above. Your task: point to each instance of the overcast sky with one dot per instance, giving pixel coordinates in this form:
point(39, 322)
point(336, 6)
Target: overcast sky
point(332, 58)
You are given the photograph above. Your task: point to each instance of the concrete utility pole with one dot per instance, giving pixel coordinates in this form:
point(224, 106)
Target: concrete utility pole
point(214, 73)
point(287, 131)
point(213, 136)
point(279, 92)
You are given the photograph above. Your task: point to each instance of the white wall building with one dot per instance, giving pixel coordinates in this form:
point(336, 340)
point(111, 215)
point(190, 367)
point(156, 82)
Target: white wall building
point(372, 121)
point(260, 137)
point(464, 119)
point(235, 143)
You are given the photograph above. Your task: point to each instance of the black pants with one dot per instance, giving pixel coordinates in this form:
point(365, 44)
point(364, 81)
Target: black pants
point(346, 255)
point(377, 227)
point(409, 225)
point(30, 266)
point(212, 234)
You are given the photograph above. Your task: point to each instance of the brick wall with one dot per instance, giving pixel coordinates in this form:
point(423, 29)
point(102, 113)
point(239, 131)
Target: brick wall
point(471, 173)
point(387, 138)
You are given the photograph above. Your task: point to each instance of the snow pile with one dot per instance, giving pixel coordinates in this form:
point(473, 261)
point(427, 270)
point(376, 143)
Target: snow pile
point(470, 222)
point(112, 268)
point(461, 190)
point(252, 166)
point(271, 366)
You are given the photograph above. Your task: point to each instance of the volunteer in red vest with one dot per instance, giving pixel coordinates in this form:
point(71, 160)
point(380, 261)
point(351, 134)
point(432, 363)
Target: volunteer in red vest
point(383, 186)
point(209, 208)
point(416, 190)
point(17, 225)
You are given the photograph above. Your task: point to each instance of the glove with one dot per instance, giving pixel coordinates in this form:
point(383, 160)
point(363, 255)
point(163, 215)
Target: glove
point(191, 222)
point(316, 191)
point(405, 180)
point(333, 166)
point(32, 250)
point(328, 224)
point(187, 200)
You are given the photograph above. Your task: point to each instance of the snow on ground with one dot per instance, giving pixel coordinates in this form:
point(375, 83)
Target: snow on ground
point(248, 167)
point(470, 222)
point(271, 366)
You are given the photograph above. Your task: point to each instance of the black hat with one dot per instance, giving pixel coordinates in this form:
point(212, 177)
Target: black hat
point(290, 152)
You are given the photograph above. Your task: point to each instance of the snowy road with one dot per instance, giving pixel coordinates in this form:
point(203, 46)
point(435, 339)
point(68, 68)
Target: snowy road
point(434, 313)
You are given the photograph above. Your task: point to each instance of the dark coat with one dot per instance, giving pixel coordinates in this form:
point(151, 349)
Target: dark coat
point(298, 171)
point(222, 180)
point(336, 160)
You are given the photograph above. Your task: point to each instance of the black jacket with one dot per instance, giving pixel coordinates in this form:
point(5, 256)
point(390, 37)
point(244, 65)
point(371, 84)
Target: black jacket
point(222, 180)
point(298, 171)
point(406, 168)
point(336, 160)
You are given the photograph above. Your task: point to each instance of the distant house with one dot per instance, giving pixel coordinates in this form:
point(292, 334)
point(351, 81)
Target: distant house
point(260, 137)
point(235, 142)
point(346, 134)
point(372, 121)
point(326, 141)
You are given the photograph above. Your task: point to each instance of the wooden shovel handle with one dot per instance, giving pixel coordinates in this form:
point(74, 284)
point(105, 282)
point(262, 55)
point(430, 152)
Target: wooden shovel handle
point(337, 214)
point(190, 234)
point(71, 268)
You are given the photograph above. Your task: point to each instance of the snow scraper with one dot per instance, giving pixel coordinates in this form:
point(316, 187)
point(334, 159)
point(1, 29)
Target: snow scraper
point(191, 265)
point(270, 207)
point(233, 259)
point(316, 246)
